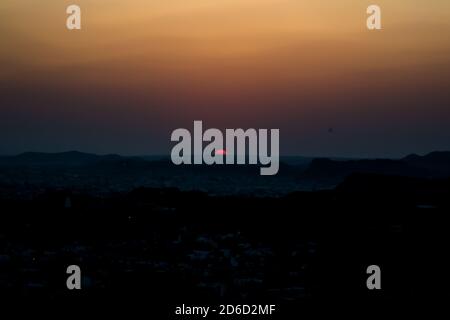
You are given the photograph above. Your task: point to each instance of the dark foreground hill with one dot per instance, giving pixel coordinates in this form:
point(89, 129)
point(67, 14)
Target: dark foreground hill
point(433, 165)
point(154, 249)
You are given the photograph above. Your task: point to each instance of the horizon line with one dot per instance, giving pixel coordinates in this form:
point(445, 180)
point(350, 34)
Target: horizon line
point(168, 155)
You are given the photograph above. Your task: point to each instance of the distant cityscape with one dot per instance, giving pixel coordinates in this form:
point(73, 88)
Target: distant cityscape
point(32, 173)
point(145, 229)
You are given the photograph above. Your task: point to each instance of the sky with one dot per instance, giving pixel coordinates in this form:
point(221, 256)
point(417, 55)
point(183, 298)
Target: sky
point(139, 69)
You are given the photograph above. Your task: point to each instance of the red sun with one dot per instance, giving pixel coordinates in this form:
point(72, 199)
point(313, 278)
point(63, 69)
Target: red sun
point(221, 152)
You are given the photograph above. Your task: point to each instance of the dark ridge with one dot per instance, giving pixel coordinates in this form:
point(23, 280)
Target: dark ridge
point(331, 169)
point(69, 158)
point(436, 163)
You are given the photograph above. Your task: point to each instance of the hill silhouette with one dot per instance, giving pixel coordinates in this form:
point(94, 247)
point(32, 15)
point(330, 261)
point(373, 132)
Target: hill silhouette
point(74, 169)
point(436, 163)
point(432, 165)
point(69, 158)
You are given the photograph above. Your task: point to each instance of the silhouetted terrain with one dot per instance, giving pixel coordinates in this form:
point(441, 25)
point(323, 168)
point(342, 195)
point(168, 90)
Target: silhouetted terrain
point(70, 158)
point(433, 165)
point(436, 163)
point(158, 247)
point(31, 173)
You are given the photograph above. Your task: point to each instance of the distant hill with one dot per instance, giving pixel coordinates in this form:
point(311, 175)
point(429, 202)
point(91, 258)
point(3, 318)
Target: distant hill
point(70, 158)
point(295, 172)
point(377, 184)
point(102, 174)
point(113, 163)
point(332, 169)
point(432, 165)
point(436, 163)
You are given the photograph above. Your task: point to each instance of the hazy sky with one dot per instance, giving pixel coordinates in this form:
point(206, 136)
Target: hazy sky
point(139, 69)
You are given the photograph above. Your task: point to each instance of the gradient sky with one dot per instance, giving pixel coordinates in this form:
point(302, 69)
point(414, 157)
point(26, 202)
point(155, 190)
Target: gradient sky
point(139, 69)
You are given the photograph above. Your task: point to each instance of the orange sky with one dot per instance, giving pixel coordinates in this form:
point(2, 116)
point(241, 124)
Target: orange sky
point(232, 62)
